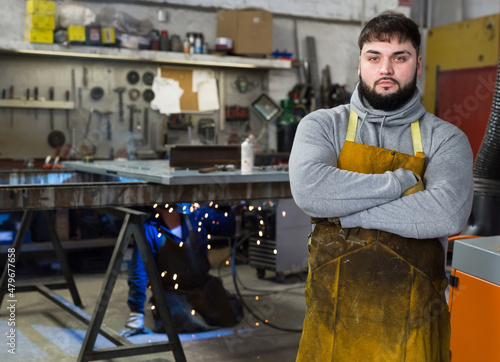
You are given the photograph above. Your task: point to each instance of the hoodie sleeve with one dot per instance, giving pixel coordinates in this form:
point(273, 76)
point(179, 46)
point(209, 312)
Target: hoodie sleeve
point(443, 208)
point(323, 190)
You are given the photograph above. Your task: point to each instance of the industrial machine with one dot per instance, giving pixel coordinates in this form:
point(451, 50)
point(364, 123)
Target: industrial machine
point(278, 240)
point(474, 300)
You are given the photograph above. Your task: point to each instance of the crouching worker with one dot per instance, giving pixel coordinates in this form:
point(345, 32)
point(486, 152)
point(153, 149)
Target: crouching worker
point(178, 235)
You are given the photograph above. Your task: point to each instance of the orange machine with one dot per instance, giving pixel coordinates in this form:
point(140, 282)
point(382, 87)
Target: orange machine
point(475, 300)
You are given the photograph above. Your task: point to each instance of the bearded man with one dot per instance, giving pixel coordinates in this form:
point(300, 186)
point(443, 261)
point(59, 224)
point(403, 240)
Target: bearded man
point(385, 184)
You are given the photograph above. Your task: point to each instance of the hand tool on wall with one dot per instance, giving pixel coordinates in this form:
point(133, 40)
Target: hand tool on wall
point(133, 109)
point(51, 98)
point(96, 93)
point(120, 91)
point(79, 98)
point(56, 139)
point(67, 110)
point(4, 94)
point(85, 80)
point(87, 127)
point(35, 95)
point(11, 96)
point(105, 116)
point(73, 84)
point(28, 97)
point(145, 128)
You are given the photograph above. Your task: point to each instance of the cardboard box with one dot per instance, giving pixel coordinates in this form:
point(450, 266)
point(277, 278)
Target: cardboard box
point(40, 21)
point(251, 30)
point(41, 7)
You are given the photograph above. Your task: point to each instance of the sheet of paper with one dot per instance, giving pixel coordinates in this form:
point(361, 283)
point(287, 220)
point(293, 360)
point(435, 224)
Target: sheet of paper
point(200, 76)
point(208, 99)
point(168, 94)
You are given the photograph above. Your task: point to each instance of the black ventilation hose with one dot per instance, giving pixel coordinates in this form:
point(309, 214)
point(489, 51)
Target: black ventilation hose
point(485, 216)
point(487, 164)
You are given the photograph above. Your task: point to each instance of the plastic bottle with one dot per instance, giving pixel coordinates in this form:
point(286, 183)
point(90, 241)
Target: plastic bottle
point(198, 43)
point(164, 42)
point(248, 154)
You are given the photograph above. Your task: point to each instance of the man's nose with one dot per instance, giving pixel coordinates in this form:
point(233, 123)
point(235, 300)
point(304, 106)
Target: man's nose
point(386, 67)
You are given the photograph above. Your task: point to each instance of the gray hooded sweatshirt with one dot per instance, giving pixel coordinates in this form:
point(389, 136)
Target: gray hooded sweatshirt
point(373, 201)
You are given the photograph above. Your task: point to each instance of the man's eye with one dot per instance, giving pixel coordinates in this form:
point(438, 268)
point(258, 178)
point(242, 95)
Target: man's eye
point(400, 59)
point(372, 59)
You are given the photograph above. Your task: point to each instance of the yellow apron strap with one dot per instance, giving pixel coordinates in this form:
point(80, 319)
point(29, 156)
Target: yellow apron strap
point(416, 137)
point(351, 127)
point(415, 132)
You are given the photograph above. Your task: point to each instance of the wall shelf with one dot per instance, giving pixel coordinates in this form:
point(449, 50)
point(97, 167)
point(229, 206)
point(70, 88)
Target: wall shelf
point(149, 56)
point(23, 103)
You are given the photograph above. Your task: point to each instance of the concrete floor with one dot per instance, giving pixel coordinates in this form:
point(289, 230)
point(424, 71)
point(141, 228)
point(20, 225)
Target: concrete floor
point(45, 332)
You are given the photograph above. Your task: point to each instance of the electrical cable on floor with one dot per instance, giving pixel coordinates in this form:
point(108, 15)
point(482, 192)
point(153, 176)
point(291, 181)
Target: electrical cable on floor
point(266, 292)
point(245, 305)
point(262, 292)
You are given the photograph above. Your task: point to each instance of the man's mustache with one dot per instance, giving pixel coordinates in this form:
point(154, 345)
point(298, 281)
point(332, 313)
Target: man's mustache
point(387, 78)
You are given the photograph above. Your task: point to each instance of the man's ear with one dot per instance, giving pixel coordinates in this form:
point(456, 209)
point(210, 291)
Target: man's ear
point(419, 65)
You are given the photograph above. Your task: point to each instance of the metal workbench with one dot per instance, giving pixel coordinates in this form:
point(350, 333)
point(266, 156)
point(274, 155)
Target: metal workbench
point(118, 185)
point(135, 183)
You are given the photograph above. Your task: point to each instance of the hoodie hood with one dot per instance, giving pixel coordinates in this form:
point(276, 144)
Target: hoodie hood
point(410, 112)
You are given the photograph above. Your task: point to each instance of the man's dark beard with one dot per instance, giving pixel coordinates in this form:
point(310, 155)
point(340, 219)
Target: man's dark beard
point(388, 102)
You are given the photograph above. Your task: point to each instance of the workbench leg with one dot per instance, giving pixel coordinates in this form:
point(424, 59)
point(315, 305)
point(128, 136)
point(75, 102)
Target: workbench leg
point(61, 257)
point(132, 226)
point(18, 242)
point(157, 288)
point(106, 290)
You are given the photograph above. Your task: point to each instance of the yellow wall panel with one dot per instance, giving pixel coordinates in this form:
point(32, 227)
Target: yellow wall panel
point(467, 44)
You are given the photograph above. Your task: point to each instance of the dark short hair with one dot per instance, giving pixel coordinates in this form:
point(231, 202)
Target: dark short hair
point(390, 25)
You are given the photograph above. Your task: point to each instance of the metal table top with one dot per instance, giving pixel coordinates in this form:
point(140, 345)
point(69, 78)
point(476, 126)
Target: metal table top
point(159, 171)
point(109, 184)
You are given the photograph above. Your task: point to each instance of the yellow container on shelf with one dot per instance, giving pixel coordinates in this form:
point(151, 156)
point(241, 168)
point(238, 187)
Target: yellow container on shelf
point(108, 36)
point(76, 34)
point(38, 35)
point(40, 21)
point(41, 7)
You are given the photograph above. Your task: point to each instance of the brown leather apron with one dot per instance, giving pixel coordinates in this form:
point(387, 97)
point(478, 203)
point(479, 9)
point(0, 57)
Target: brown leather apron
point(372, 295)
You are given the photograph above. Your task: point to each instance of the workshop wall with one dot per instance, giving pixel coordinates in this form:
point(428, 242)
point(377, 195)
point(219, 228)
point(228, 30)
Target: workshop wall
point(25, 134)
point(335, 27)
